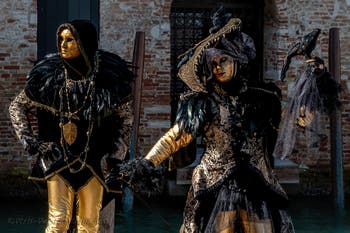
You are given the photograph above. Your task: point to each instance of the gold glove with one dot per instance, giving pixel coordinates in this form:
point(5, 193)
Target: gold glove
point(168, 145)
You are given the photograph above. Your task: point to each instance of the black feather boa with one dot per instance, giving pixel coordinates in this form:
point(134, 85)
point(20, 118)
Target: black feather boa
point(191, 112)
point(111, 74)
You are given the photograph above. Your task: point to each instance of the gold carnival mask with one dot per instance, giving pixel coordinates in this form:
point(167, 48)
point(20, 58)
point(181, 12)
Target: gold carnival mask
point(224, 68)
point(68, 45)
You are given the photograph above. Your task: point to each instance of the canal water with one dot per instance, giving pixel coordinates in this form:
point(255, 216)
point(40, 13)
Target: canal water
point(309, 215)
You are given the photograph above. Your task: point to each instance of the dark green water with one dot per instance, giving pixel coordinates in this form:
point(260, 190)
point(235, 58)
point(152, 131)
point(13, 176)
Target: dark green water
point(309, 216)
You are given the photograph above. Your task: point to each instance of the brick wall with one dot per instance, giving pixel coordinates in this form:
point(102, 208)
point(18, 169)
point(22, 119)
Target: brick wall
point(120, 20)
point(285, 21)
point(17, 52)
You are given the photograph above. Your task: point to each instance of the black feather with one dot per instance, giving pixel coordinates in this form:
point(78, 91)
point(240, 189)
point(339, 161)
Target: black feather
point(304, 47)
point(190, 116)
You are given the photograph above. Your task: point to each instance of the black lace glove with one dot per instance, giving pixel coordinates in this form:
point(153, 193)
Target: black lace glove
point(139, 174)
point(49, 154)
point(31, 145)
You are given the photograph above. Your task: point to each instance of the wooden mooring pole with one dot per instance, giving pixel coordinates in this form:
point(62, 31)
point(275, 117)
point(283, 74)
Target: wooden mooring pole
point(108, 212)
point(138, 66)
point(335, 124)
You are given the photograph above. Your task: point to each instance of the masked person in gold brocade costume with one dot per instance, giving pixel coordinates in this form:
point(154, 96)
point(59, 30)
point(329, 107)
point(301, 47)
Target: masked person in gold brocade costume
point(81, 98)
point(233, 188)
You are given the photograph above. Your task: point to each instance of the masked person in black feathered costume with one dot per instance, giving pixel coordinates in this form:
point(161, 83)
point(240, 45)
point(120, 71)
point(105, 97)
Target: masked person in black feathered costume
point(233, 187)
point(314, 93)
point(81, 97)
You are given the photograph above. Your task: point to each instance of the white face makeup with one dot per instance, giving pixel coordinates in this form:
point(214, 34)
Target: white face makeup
point(69, 48)
point(224, 68)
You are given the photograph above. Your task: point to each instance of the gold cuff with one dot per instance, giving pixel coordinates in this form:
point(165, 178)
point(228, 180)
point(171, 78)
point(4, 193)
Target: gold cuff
point(168, 145)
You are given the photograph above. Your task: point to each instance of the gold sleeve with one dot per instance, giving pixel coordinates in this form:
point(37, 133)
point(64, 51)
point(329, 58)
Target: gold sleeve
point(168, 144)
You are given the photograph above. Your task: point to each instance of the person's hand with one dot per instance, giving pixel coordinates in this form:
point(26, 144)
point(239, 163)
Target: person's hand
point(49, 153)
point(305, 117)
point(46, 149)
point(114, 179)
point(31, 145)
point(139, 174)
point(130, 171)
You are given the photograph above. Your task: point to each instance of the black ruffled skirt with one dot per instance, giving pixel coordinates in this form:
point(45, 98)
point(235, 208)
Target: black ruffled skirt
point(234, 210)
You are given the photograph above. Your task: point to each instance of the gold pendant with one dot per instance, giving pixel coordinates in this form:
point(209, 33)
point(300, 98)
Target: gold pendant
point(70, 132)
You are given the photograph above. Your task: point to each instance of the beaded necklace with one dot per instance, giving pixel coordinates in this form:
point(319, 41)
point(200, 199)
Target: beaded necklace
point(69, 130)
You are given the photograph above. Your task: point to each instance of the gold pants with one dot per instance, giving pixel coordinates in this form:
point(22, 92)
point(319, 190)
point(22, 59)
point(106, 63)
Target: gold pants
point(224, 223)
point(61, 202)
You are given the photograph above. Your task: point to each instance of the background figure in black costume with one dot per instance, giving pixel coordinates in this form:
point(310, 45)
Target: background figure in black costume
point(314, 92)
point(81, 97)
point(233, 188)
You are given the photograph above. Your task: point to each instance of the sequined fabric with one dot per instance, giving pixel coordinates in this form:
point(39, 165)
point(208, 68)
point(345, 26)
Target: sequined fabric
point(235, 151)
point(224, 147)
